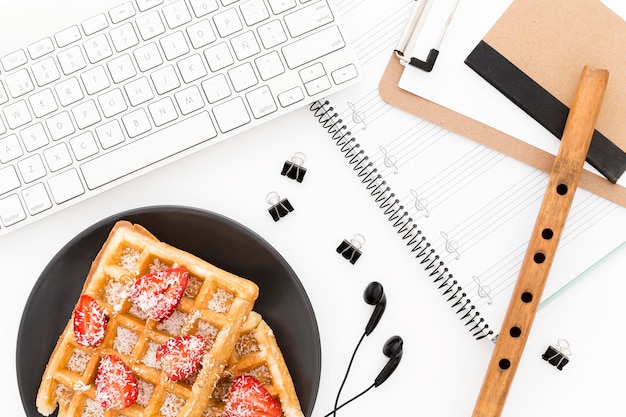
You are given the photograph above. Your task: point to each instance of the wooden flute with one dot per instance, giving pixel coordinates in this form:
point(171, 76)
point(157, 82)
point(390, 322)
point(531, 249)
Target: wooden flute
point(555, 207)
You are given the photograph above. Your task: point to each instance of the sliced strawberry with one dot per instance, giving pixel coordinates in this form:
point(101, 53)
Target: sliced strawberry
point(158, 293)
point(89, 322)
point(179, 357)
point(116, 386)
point(247, 397)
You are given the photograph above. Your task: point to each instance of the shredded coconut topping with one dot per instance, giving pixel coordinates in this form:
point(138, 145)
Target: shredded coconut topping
point(92, 409)
point(193, 287)
point(129, 257)
point(115, 293)
point(145, 392)
point(125, 340)
point(221, 301)
point(261, 373)
point(171, 406)
point(246, 344)
point(78, 361)
point(80, 386)
point(208, 331)
point(157, 265)
point(174, 324)
point(150, 356)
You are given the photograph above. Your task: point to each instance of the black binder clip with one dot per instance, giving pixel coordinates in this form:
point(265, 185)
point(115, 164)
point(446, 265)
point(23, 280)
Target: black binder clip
point(293, 169)
point(351, 249)
point(280, 208)
point(558, 356)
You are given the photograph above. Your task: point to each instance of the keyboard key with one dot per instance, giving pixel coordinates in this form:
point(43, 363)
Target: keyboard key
point(269, 66)
point(308, 18)
point(201, 34)
point(192, 68)
point(245, 45)
point(189, 100)
point(165, 79)
point(272, 34)
point(112, 103)
point(43, 103)
point(291, 96)
point(40, 48)
point(8, 179)
point(57, 157)
point(148, 57)
point(95, 80)
point(36, 199)
point(150, 25)
point(34, 137)
point(67, 36)
point(69, 91)
point(83, 146)
point(11, 210)
point(162, 111)
point(138, 91)
point(227, 22)
point(243, 77)
point(218, 57)
point(45, 72)
point(122, 12)
point(231, 114)
point(10, 148)
point(174, 45)
point(65, 186)
point(14, 60)
point(72, 60)
point(17, 114)
point(148, 4)
point(97, 48)
point(60, 125)
point(95, 24)
point(124, 37)
point(347, 73)
point(313, 46)
point(203, 7)
point(86, 114)
point(253, 11)
point(3, 94)
point(317, 85)
point(216, 88)
point(31, 168)
point(280, 6)
point(148, 150)
point(176, 14)
point(261, 102)
point(110, 134)
point(19, 83)
point(121, 68)
point(136, 123)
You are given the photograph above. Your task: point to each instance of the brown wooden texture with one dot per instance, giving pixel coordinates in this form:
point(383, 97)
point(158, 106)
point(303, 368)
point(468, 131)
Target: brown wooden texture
point(557, 200)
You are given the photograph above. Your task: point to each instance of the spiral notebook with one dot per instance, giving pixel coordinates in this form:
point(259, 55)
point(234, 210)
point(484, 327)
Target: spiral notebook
point(464, 210)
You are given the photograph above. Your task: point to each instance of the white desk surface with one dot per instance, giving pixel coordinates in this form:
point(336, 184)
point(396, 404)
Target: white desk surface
point(442, 366)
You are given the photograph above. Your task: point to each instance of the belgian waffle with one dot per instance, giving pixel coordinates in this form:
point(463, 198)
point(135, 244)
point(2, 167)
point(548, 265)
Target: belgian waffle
point(215, 304)
point(257, 354)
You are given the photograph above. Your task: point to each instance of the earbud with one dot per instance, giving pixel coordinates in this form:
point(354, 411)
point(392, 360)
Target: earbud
point(374, 295)
point(393, 350)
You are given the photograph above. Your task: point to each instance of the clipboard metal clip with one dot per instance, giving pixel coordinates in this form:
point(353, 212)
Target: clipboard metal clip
point(411, 33)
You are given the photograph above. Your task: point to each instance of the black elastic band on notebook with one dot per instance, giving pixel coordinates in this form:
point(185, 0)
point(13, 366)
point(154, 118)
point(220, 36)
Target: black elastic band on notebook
point(542, 106)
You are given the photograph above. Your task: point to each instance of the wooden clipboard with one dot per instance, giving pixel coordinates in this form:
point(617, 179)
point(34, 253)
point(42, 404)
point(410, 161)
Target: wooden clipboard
point(481, 133)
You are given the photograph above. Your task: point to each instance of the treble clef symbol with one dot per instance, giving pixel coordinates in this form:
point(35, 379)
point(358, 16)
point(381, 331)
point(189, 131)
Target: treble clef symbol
point(451, 245)
point(390, 160)
point(483, 291)
point(357, 116)
point(421, 204)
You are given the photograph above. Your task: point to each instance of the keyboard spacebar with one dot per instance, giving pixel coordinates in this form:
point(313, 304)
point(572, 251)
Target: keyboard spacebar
point(148, 150)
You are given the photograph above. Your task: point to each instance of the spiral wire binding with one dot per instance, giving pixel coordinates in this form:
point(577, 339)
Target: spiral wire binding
point(400, 219)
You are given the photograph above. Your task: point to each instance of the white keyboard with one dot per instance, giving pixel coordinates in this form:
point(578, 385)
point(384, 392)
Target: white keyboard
point(148, 82)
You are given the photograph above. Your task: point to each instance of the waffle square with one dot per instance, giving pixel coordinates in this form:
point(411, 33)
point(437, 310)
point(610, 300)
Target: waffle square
point(215, 305)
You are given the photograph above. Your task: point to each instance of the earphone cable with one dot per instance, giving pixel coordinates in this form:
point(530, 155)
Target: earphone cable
point(345, 377)
point(350, 400)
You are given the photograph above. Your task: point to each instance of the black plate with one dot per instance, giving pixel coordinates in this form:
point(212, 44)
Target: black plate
point(282, 301)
